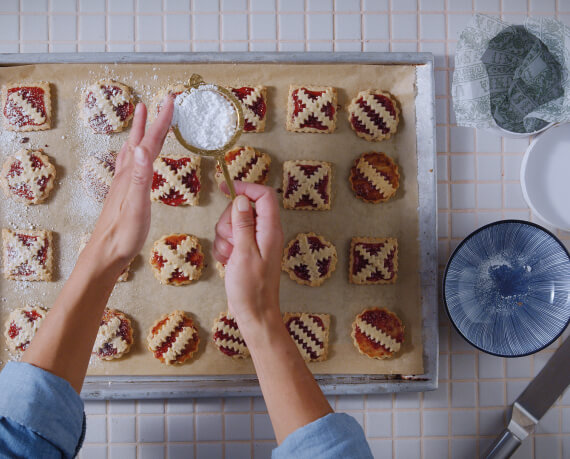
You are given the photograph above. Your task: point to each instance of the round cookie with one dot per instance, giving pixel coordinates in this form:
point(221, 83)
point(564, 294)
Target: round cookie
point(97, 174)
point(227, 337)
point(374, 115)
point(309, 259)
point(107, 106)
point(245, 164)
point(374, 177)
point(115, 336)
point(173, 338)
point(377, 333)
point(177, 259)
point(22, 325)
point(27, 176)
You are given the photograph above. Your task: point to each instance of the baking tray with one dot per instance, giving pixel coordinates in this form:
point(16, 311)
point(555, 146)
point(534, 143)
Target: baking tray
point(137, 387)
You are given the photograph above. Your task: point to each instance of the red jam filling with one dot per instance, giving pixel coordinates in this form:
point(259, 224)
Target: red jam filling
point(258, 106)
point(15, 114)
point(219, 335)
point(243, 173)
point(370, 343)
point(26, 239)
point(41, 256)
point(43, 181)
point(192, 182)
point(194, 257)
point(178, 276)
point(173, 198)
point(386, 322)
point(37, 163)
point(100, 124)
point(313, 354)
point(158, 353)
point(294, 250)
point(322, 188)
point(22, 190)
point(373, 116)
point(292, 185)
point(157, 181)
point(14, 330)
point(324, 266)
point(308, 169)
point(176, 164)
point(315, 243)
point(158, 261)
point(302, 272)
point(174, 241)
point(32, 315)
point(15, 169)
point(107, 350)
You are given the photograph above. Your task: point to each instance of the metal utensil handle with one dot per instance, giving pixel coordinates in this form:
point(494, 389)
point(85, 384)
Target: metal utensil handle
point(503, 447)
point(229, 181)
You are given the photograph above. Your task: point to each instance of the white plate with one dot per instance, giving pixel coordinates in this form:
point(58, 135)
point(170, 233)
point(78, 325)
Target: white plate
point(545, 176)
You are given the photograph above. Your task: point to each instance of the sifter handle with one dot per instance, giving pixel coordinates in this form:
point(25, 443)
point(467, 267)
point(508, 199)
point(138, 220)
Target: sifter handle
point(229, 181)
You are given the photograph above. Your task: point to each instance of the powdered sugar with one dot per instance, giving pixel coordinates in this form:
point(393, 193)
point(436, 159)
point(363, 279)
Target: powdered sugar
point(205, 118)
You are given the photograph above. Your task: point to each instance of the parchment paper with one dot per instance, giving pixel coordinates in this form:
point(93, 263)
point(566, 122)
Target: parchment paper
point(70, 213)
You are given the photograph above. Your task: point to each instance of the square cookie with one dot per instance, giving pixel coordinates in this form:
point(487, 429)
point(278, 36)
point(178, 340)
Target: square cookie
point(27, 254)
point(253, 101)
point(26, 106)
point(176, 180)
point(310, 332)
point(307, 185)
point(373, 260)
point(311, 109)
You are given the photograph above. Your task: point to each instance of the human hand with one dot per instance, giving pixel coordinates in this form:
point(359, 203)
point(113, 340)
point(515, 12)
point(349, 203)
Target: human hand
point(124, 222)
point(250, 243)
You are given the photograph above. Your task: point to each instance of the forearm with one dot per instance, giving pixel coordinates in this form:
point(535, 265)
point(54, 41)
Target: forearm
point(291, 393)
point(64, 342)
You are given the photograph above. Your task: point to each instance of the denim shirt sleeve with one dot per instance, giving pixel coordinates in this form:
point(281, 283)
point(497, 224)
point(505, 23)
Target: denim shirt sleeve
point(40, 413)
point(332, 436)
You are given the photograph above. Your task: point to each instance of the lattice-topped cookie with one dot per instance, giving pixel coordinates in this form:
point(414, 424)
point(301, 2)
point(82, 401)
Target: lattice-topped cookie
point(22, 325)
point(176, 180)
point(254, 106)
point(374, 115)
point(311, 109)
point(97, 174)
point(227, 337)
point(27, 254)
point(26, 106)
point(171, 90)
point(177, 259)
point(83, 242)
point(107, 106)
point(309, 259)
point(115, 335)
point(310, 333)
point(27, 176)
point(373, 260)
point(377, 333)
point(307, 185)
point(245, 164)
point(173, 338)
point(374, 177)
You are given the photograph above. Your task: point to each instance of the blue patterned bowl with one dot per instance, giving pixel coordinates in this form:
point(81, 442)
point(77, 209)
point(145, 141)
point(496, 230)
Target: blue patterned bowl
point(506, 288)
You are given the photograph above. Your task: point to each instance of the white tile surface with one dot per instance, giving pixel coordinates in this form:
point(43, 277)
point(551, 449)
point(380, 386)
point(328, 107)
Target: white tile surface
point(180, 428)
point(9, 27)
point(178, 27)
point(122, 451)
point(234, 27)
point(237, 426)
point(121, 28)
point(150, 429)
point(92, 28)
point(96, 429)
point(407, 423)
point(347, 26)
point(432, 27)
point(376, 27)
point(464, 422)
point(34, 28)
point(436, 423)
point(292, 27)
point(404, 27)
point(319, 26)
point(122, 429)
point(263, 27)
point(206, 27)
point(379, 424)
point(209, 427)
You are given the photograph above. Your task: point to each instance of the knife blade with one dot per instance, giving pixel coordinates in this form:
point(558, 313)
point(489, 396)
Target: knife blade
point(533, 403)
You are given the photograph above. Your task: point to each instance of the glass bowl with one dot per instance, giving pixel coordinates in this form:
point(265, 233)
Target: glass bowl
point(506, 288)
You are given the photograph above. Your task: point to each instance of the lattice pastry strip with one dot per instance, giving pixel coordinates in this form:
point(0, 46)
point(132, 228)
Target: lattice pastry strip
point(26, 106)
point(311, 109)
point(83, 242)
point(97, 174)
point(176, 180)
point(107, 106)
point(378, 333)
point(307, 185)
point(310, 332)
point(28, 176)
point(373, 260)
point(114, 337)
point(27, 254)
point(173, 338)
point(309, 259)
point(171, 90)
point(22, 325)
point(245, 164)
point(227, 337)
point(177, 259)
point(374, 115)
point(374, 177)
point(253, 103)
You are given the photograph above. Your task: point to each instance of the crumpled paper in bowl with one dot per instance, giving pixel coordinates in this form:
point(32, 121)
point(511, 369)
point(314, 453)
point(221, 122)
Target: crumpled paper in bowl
point(514, 78)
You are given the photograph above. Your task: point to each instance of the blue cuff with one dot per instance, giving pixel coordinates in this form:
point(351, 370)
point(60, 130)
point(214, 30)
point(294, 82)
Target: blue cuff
point(44, 403)
point(334, 435)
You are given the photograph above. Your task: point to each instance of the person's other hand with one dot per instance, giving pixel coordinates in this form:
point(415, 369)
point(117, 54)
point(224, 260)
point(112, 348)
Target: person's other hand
point(250, 244)
point(124, 222)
